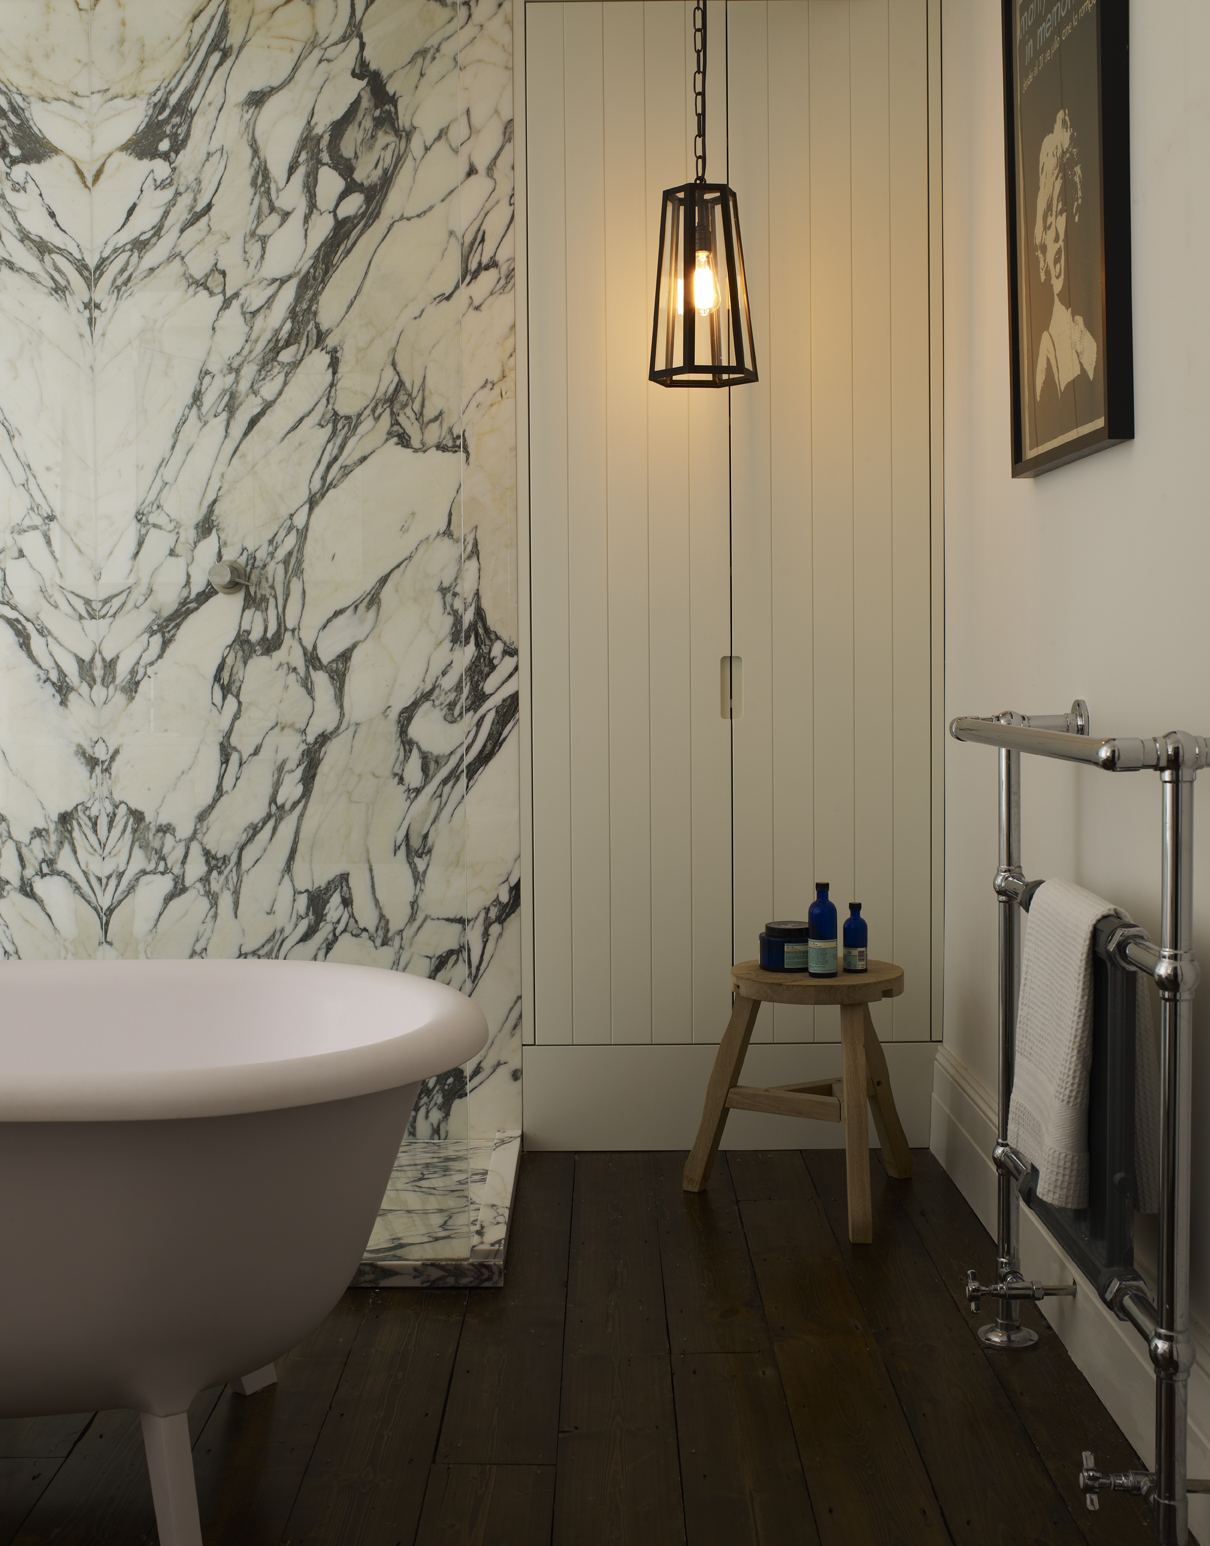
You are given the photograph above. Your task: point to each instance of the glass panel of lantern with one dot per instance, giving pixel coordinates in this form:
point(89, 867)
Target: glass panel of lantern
point(702, 333)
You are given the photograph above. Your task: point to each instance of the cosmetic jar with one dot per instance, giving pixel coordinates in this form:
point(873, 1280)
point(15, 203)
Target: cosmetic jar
point(783, 946)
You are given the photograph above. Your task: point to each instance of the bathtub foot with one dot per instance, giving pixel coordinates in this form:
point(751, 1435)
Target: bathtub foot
point(170, 1463)
point(249, 1384)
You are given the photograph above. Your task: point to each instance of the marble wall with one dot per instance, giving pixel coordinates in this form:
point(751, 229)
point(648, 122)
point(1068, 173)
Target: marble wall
point(256, 273)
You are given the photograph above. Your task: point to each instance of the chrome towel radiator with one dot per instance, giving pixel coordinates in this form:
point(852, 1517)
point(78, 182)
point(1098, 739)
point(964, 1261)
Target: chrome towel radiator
point(1177, 757)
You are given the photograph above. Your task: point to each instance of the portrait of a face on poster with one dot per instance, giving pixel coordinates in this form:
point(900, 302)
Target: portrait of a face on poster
point(1065, 329)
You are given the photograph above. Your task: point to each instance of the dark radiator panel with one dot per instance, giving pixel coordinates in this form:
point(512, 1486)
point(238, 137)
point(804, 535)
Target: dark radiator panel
point(1100, 1238)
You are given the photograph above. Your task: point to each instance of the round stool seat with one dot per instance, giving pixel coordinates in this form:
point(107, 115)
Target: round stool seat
point(883, 980)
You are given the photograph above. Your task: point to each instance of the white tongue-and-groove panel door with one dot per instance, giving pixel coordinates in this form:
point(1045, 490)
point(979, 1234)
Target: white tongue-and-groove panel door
point(786, 524)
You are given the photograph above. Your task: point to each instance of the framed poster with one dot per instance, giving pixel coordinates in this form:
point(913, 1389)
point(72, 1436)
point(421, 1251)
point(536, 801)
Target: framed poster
point(1067, 169)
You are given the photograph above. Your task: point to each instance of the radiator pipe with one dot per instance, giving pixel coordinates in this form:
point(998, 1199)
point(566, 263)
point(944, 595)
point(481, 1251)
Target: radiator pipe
point(1007, 1331)
point(1128, 1301)
point(1176, 976)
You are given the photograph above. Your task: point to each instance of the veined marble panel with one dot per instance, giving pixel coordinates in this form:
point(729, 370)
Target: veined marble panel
point(256, 268)
point(445, 1218)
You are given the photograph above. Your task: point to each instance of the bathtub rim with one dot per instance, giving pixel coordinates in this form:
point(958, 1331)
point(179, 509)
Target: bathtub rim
point(447, 1030)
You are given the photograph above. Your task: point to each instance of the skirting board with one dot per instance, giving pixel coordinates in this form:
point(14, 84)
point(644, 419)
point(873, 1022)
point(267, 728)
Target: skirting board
point(1111, 1354)
point(650, 1097)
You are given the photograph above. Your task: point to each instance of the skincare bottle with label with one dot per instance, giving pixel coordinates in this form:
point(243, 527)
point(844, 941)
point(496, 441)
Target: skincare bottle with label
point(821, 948)
point(856, 940)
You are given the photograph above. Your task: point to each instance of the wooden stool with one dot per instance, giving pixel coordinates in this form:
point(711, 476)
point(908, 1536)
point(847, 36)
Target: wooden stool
point(828, 1100)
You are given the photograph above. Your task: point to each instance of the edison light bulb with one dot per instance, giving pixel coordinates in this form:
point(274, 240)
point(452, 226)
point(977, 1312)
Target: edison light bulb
point(705, 288)
point(705, 285)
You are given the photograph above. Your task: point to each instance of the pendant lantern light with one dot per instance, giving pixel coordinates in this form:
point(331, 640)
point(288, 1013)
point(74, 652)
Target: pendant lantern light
point(702, 332)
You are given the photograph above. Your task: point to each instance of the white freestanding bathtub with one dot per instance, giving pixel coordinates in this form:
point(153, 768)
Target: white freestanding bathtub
point(214, 1138)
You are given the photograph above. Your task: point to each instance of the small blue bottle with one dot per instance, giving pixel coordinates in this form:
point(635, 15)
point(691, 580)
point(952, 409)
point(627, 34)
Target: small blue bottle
point(856, 940)
point(821, 958)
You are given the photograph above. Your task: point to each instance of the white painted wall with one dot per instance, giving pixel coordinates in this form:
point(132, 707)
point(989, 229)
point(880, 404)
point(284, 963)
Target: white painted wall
point(1089, 581)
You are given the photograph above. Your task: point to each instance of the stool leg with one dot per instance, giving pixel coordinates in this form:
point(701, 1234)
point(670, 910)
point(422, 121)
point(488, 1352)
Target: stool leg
point(723, 1077)
point(896, 1155)
point(856, 1124)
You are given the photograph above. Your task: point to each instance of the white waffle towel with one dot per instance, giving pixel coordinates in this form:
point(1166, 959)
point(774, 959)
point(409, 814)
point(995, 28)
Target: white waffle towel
point(1048, 1116)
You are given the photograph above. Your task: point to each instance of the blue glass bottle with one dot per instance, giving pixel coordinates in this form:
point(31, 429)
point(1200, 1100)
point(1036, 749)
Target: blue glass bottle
point(821, 958)
point(856, 941)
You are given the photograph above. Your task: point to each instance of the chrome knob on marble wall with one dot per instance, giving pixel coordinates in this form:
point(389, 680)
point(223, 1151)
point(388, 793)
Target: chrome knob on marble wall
point(227, 577)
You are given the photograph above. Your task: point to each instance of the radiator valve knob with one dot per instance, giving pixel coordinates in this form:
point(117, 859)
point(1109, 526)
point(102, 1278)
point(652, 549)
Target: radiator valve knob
point(1091, 1498)
point(973, 1291)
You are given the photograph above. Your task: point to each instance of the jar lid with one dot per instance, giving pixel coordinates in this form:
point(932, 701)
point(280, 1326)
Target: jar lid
point(788, 928)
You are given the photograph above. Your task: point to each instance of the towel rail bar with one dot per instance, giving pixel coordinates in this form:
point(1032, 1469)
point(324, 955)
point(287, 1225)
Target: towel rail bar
point(1132, 947)
point(1177, 757)
point(1118, 754)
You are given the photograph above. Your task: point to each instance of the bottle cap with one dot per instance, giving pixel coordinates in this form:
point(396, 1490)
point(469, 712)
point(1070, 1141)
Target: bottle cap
point(822, 885)
point(855, 904)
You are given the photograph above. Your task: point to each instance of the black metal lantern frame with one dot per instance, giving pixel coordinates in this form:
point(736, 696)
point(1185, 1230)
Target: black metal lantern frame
point(693, 345)
point(701, 335)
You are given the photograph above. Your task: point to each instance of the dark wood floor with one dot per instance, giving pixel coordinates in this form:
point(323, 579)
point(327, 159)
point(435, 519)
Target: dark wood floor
point(717, 1370)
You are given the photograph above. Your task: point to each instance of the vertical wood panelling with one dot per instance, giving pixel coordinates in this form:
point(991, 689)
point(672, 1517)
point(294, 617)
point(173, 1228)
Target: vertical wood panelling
point(788, 355)
point(873, 644)
point(626, 345)
point(832, 456)
point(667, 471)
point(710, 632)
point(911, 564)
point(751, 495)
point(588, 549)
point(550, 634)
point(787, 523)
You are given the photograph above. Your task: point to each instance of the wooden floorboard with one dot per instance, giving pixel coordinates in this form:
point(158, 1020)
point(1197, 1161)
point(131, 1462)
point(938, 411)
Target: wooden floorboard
point(615, 1288)
point(618, 1476)
point(618, 1480)
point(742, 1479)
point(992, 1487)
point(660, 1369)
point(366, 1478)
point(769, 1177)
point(1060, 1410)
point(488, 1505)
point(253, 1453)
point(866, 1478)
point(22, 1483)
point(40, 1438)
point(711, 1299)
point(31, 1452)
point(503, 1406)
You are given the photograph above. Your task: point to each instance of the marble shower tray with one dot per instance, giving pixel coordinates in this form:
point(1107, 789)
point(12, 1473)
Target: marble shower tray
point(445, 1217)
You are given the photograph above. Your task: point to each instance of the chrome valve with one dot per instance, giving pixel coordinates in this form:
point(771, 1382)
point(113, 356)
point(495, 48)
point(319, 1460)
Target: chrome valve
point(1014, 1288)
point(1094, 1482)
point(228, 577)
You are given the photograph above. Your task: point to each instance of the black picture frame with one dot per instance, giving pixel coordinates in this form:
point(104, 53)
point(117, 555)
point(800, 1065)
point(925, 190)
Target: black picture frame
point(1067, 184)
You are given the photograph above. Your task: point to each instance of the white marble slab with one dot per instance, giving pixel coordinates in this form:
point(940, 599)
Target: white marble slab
point(445, 1217)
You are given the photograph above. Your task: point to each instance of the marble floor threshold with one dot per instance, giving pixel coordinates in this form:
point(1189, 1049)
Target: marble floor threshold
point(444, 1220)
